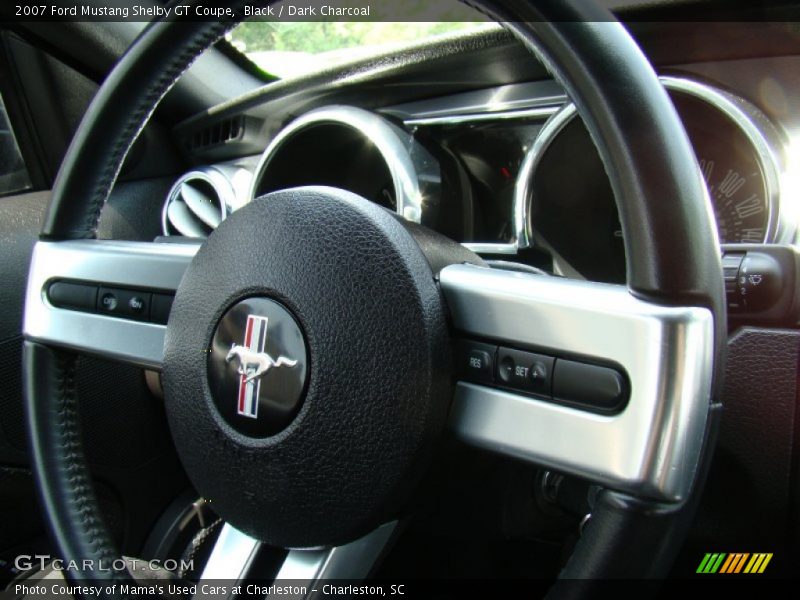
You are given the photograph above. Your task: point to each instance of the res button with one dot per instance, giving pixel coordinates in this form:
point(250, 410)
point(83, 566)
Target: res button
point(475, 361)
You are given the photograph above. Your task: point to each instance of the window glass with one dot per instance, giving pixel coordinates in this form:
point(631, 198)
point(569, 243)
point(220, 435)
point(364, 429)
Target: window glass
point(291, 48)
point(13, 173)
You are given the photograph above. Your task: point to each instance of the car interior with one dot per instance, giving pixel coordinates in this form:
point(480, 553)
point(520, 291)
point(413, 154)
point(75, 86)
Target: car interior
point(513, 303)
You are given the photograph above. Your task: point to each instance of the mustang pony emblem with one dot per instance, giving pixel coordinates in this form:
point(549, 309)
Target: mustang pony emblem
point(254, 362)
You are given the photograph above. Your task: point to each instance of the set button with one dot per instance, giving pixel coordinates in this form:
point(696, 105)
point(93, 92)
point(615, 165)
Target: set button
point(525, 370)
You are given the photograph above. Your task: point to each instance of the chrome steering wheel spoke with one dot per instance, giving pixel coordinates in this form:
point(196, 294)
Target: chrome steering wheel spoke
point(232, 558)
point(137, 266)
point(651, 447)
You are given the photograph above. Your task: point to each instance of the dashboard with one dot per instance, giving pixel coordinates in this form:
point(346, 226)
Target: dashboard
point(508, 170)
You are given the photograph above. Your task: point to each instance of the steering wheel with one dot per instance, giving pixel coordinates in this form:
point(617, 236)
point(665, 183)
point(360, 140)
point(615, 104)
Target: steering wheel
point(348, 316)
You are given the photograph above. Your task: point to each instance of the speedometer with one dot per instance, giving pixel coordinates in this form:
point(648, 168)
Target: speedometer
point(735, 159)
point(739, 200)
point(570, 204)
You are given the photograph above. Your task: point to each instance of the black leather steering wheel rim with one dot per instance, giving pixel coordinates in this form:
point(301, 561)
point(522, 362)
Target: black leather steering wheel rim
point(654, 176)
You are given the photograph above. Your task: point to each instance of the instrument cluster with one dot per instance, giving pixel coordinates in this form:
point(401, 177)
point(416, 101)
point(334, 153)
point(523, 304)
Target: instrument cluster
point(518, 178)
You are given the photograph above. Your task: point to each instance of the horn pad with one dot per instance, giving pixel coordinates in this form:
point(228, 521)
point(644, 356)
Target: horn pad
point(348, 346)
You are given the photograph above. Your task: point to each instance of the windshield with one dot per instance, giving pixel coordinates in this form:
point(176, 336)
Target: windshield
point(287, 49)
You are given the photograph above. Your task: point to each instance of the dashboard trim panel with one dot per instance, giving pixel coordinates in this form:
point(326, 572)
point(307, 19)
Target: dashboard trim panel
point(510, 98)
point(530, 113)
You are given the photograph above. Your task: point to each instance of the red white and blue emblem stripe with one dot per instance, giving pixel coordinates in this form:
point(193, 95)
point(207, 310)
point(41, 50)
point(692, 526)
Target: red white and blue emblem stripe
point(255, 339)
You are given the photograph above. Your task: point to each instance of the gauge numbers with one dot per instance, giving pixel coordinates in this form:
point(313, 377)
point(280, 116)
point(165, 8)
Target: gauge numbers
point(739, 201)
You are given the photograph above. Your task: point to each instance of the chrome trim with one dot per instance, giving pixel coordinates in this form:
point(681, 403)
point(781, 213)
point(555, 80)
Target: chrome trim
point(652, 447)
point(111, 263)
point(352, 561)
point(239, 174)
point(231, 180)
point(753, 124)
point(491, 248)
point(414, 172)
point(531, 160)
point(511, 98)
point(530, 113)
point(231, 557)
point(763, 138)
point(511, 102)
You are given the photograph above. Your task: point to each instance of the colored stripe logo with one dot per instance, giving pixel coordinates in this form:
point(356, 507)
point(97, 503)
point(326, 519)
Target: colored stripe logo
point(733, 563)
point(255, 340)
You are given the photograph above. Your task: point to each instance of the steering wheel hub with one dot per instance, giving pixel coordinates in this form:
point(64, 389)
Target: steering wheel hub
point(307, 367)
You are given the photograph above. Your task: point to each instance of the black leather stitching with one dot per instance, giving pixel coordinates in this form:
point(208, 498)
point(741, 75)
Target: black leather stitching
point(78, 488)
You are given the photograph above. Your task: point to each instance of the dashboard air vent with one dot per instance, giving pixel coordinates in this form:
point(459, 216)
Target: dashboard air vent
point(216, 134)
point(195, 206)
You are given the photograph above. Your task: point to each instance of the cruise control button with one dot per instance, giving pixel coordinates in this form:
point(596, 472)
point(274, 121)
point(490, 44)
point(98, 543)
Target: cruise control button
point(127, 304)
point(108, 301)
point(476, 361)
point(160, 306)
point(137, 305)
point(539, 374)
point(78, 296)
point(525, 371)
point(479, 360)
point(600, 388)
point(506, 368)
